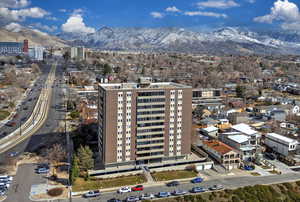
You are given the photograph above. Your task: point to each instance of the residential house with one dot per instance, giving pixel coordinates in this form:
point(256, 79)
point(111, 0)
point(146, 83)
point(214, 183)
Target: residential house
point(238, 117)
point(241, 143)
point(281, 144)
point(222, 153)
point(208, 122)
point(210, 131)
point(245, 129)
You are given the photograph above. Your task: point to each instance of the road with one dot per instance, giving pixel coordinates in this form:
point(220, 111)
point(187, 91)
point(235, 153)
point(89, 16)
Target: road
point(29, 102)
point(228, 183)
point(36, 119)
point(40, 138)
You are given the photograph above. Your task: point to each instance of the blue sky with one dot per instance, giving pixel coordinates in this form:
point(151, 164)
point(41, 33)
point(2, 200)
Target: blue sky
point(89, 15)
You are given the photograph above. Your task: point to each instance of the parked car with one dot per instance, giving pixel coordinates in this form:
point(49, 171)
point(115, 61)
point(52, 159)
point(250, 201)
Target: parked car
point(2, 192)
point(249, 168)
point(132, 198)
point(179, 192)
point(114, 200)
point(197, 180)
point(25, 108)
point(13, 154)
point(217, 187)
point(198, 189)
point(10, 124)
point(163, 194)
point(147, 196)
point(90, 194)
point(6, 177)
point(124, 190)
point(137, 188)
point(42, 170)
point(173, 184)
point(4, 133)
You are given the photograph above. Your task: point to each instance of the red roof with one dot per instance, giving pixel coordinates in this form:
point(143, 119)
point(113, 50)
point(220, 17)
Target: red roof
point(218, 146)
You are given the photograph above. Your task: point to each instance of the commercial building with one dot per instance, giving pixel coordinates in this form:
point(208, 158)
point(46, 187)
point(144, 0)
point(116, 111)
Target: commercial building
point(222, 153)
point(11, 48)
point(77, 53)
point(36, 53)
point(143, 123)
point(281, 144)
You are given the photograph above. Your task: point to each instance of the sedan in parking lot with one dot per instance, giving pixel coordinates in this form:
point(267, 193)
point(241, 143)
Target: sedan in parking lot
point(132, 198)
point(179, 192)
point(217, 187)
point(42, 170)
point(163, 194)
point(147, 196)
point(173, 184)
point(114, 200)
point(124, 190)
point(198, 189)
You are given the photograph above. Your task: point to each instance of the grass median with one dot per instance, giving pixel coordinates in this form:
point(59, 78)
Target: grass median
point(82, 185)
point(3, 114)
point(173, 175)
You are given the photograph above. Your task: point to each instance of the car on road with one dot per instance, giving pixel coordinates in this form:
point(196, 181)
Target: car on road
point(114, 200)
point(179, 192)
point(13, 154)
point(163, 194)
point(10, 124)
point(197, 180)
point(173, 184)
point(198, 189)
point(132, 198)
point(137, 188)
point(24, 118)
point(42, 170)
point(90, 194)
point(25, 108)
point(147, 196)
point(4, 133)
point(124, 190)
point(216, 187)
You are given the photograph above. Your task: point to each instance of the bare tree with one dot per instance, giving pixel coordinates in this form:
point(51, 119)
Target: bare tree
point(55, 155)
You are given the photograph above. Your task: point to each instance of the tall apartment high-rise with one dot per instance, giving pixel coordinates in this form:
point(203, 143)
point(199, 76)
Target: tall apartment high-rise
point(142, 123)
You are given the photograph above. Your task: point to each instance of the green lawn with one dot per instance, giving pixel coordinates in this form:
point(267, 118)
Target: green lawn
point(3, 114)
point(172, 175)
point(82, 185)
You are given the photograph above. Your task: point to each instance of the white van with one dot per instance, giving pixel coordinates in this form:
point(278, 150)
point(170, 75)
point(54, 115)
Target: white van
point(6, 178)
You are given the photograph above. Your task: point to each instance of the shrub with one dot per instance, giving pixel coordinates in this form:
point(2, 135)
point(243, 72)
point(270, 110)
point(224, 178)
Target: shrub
point(55, 192)
point(235, 199)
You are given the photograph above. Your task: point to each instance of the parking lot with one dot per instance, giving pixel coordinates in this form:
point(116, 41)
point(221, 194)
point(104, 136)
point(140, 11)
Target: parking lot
point(21, 185)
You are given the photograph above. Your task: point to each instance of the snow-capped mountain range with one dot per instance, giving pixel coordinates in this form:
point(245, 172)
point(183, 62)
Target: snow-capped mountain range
point(223, 41)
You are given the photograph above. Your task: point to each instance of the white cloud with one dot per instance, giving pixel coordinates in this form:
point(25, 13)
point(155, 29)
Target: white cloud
point(14, 3)
point(221, 4)
point(208, 14)
point(281, 10)
point(285, 12)
point(75, 24)
point(156, 15)
point(78, 11)
point(45, 27)
point(62, 10)
point(173, 9)
point(13, 27)
point(22, 14)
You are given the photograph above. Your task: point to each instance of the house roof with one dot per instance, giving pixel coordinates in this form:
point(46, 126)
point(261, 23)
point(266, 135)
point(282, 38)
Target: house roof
point(210, 129)
point(218, 146)
point(239, 138)
point(244, 128)
point(281, 137)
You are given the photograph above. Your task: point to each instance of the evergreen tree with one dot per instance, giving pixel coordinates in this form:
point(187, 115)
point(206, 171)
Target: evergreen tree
point(241, 91)
point(74, 172)
point(85, 157)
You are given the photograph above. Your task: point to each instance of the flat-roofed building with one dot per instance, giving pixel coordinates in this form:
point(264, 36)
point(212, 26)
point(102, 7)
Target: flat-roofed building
point(281, 144)
point(143, 123)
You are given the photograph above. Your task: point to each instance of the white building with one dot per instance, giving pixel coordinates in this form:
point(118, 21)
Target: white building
point(36, 53)
point(281, 144)
point(78, 53)
point(245, 129)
